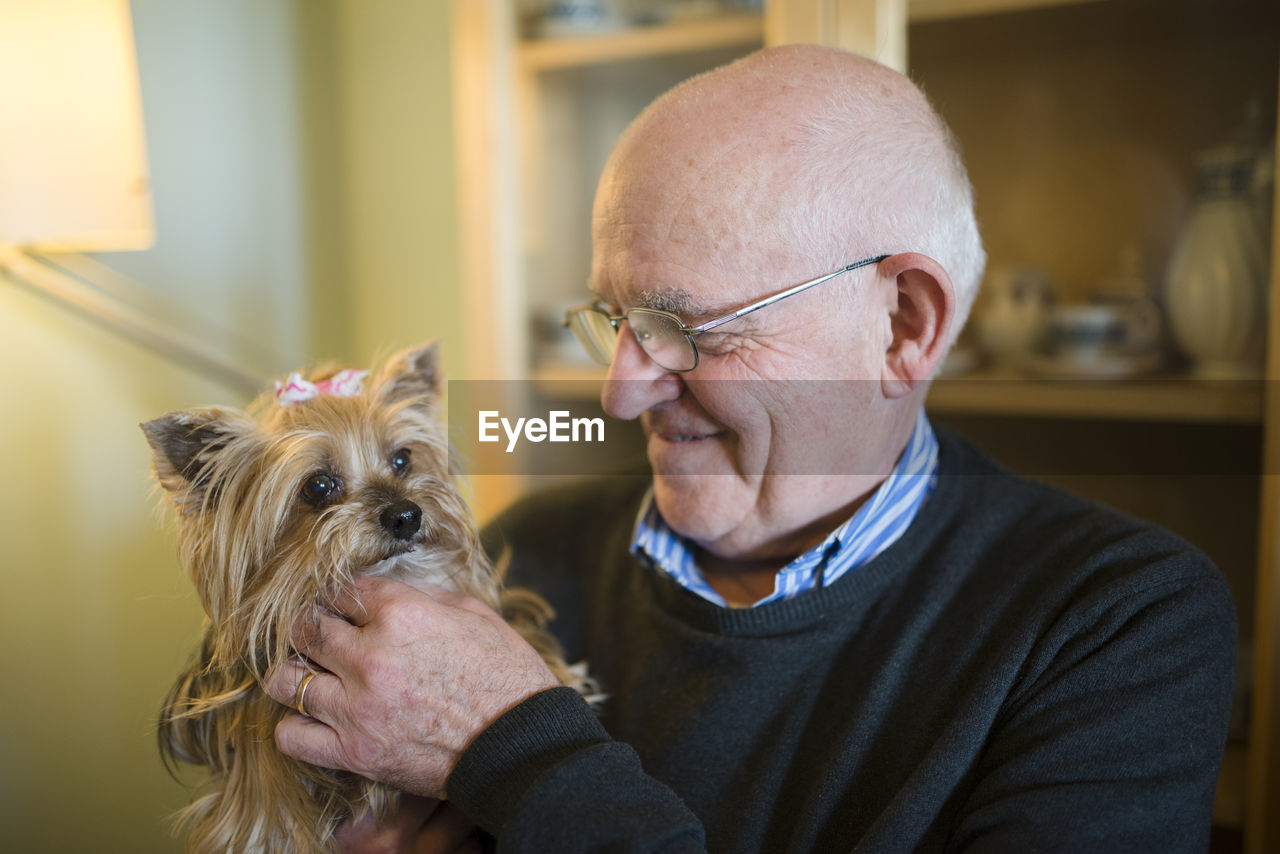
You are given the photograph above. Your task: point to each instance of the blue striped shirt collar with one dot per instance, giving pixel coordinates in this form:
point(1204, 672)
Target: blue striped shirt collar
point(876, 525)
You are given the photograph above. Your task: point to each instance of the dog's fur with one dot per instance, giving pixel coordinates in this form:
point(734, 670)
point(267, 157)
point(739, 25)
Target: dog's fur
point(262, 556)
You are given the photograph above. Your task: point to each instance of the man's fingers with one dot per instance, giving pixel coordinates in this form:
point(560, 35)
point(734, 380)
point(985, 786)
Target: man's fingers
point(302, 688)
point(349, 603)
point(309, 740)
point(282, 683)
point(400, 697)
point(318, 634)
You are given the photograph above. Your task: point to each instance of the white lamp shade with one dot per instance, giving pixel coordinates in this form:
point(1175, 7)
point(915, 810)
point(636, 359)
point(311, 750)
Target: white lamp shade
point(73, 171)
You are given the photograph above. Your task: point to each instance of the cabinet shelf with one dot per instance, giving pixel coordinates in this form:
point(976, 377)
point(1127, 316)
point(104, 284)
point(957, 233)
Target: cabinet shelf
point(744, 30)
point(940, 10)
point(1176, 398)
point(1172, 398)
point(697, 34)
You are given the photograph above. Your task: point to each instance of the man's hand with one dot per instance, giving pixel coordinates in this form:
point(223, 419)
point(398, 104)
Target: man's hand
point(421, 826)
point(411, 678)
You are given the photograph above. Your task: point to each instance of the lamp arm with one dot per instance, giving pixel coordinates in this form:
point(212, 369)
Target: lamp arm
point(125, 320)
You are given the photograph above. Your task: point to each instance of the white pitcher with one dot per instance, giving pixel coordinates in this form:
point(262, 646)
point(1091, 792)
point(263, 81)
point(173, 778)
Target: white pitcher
point(1215, 288)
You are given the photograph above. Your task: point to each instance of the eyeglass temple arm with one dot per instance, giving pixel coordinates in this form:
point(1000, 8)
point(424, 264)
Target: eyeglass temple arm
point(770, 300)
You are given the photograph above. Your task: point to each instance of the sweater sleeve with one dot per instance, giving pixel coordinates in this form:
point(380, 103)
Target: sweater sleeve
point(546, 776)
point(1115, 741)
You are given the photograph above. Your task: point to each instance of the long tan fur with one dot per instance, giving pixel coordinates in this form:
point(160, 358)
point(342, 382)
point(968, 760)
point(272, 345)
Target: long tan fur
point(261, 558)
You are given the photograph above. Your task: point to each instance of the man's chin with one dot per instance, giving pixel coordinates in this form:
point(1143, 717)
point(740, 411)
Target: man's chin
point(699, 507)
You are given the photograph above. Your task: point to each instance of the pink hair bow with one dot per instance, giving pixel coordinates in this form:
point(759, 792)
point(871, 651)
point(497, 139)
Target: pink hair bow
point(346, 383)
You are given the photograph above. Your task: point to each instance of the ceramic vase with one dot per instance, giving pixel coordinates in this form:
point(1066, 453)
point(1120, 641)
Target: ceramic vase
point(1215, 289)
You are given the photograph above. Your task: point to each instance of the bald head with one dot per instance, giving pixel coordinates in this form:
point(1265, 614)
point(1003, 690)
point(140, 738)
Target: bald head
point(801, 158)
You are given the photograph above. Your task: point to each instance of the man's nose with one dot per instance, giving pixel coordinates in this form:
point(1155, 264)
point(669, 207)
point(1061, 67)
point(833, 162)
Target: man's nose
point(635, 383)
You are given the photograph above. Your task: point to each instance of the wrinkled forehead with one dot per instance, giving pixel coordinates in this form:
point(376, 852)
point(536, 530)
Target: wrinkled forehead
point(704, 152)
point(694, 230)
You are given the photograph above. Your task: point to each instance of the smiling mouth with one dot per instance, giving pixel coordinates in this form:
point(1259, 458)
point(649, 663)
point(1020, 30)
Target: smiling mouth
point(676, 438)
point(680, 430)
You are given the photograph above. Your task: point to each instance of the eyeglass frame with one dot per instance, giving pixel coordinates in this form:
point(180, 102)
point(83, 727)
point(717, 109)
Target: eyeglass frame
point(615, 320)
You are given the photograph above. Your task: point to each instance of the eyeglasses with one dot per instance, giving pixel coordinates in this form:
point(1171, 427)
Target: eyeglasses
point(663, 336)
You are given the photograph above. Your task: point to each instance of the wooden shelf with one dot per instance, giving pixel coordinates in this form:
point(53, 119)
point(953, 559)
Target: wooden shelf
point(941, 10)
point(1161, 398)
point(720, 31)
point(688, 36)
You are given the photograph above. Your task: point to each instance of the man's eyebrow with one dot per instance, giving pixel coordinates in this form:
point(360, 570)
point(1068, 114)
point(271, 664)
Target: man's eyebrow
point(675, 300)
point(681, 302)
point(678, 301)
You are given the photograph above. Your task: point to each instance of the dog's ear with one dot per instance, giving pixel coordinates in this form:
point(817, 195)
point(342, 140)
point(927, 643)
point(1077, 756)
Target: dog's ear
point(185, 443)
point(413, 376)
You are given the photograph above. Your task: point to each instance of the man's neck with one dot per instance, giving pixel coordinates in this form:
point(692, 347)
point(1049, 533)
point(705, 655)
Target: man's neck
point(744, 579)
point(741, 583)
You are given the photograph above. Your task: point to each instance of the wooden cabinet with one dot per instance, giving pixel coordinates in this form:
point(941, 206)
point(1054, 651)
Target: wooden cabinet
point(1081, 124)
point(1080, 121)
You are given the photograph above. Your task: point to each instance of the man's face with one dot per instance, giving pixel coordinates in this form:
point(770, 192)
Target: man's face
point(776, 434)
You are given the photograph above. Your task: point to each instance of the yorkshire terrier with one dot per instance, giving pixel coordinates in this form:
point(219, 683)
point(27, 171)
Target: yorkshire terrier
point(279, 508)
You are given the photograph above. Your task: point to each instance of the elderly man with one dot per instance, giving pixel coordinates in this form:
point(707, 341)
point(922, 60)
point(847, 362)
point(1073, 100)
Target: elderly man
point(820, 625)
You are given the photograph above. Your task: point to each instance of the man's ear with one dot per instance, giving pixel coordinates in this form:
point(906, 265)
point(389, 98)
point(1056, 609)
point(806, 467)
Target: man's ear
point(920, 321)
point(413, 376)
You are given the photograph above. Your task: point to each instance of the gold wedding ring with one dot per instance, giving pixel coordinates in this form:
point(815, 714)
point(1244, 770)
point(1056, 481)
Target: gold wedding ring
point(302, 694)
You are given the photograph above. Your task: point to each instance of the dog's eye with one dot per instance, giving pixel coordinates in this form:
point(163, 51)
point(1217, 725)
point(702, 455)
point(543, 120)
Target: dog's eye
point(319, 488)
point(400, 461)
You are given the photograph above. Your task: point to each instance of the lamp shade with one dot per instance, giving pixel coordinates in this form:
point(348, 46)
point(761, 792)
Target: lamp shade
point(73, 171)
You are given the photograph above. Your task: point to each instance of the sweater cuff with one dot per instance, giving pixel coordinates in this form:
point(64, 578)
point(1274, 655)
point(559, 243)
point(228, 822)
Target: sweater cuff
point(505, 760)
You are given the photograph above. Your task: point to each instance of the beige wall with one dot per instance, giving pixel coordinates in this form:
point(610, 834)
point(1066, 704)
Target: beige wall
point(95, 618)
point(300, 157)
point(397, 180)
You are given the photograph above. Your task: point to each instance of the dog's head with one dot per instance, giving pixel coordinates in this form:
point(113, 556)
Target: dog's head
point(281, 506)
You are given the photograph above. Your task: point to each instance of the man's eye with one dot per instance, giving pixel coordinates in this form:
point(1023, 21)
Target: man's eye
point(400, 461)
point(319, 488)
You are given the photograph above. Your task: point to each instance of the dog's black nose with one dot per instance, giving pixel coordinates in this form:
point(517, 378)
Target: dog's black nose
point(401, 519)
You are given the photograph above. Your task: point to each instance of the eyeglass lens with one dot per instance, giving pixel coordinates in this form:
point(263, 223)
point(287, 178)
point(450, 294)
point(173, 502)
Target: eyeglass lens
point(595, 333)
point(662, 338)
point(658, 334)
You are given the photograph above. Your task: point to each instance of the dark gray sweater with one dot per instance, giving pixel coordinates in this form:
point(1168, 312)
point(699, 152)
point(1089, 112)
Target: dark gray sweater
point(1023, 671)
